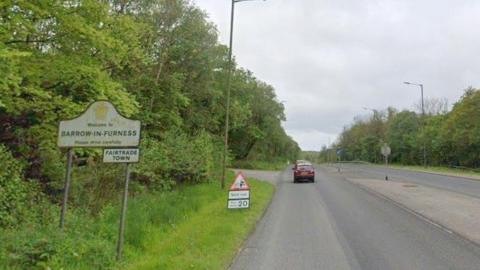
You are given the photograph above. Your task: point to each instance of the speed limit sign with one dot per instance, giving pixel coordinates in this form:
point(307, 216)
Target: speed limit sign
point(235, 204)
point(239, 193)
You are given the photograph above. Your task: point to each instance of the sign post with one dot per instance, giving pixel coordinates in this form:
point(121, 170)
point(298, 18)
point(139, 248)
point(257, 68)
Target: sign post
point(386, 151)
point(127, 156)
point(121, 228)
point(239, 193)
point(101, 126)
point(68, 176)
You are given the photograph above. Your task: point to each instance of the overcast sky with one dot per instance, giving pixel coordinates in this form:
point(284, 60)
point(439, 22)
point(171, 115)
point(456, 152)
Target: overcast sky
point(327, 59)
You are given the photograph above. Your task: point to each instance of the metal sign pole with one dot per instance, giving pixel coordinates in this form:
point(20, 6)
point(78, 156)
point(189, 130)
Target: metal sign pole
point(386, 165)
point(123, 213)
point(66, 188)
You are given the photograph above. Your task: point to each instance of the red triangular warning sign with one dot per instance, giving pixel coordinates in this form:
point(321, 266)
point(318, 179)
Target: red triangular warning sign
point(240, 183)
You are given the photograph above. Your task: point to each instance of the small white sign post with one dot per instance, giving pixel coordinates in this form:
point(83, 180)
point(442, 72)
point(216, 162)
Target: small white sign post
point(239, 193)
point(386, 151)
point(126, 156)
point(101, 125)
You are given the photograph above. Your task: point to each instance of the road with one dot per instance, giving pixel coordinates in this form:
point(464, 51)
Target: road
point(334, 224)
point(456, 184)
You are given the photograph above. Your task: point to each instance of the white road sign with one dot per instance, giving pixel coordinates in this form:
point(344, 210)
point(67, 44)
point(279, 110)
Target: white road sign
point(236, 204)
point(238, 194)
point(386, 151)
point(99, 126)
point(121, 155)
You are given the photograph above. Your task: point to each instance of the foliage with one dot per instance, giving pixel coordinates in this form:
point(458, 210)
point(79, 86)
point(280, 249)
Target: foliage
point(460, 132)
point(158, 61)
point(18, 198)
point(451, 138)
point(207, 237)
point(261, 165)
point(154, 221)
point(177, 158)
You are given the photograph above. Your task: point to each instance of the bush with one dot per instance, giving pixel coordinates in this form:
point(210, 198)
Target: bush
point(86, 243)
point(15, 193)
point(178, 158)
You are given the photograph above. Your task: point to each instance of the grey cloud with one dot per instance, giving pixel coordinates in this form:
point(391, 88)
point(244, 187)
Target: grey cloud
point(329, 58)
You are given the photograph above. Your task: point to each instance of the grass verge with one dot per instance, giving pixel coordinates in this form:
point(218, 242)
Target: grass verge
point(188, 228)
point(260, 165)
point(440, 170)
point(207, 238)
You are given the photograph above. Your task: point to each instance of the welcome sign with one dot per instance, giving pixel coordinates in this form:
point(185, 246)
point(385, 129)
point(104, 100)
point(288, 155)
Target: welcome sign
point(99, 126)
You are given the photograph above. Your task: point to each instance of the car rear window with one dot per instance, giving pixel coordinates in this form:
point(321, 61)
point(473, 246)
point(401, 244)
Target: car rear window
point(305, 167)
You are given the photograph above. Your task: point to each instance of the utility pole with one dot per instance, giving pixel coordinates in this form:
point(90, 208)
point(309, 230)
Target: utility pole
point(423, 121)
point(229, 82)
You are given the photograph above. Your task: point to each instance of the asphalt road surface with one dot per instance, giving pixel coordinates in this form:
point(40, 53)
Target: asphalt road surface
point(334, 224)
point(456, 184)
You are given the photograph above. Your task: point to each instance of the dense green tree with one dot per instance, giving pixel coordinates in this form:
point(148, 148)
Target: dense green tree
point(451, 138)
point(158, 61)
point(460, 132)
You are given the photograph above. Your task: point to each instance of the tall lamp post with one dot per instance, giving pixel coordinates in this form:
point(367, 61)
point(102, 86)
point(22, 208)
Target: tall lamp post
point(229, 78)
point(423, 120)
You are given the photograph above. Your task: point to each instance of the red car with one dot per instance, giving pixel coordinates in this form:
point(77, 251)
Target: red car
point(303, 171)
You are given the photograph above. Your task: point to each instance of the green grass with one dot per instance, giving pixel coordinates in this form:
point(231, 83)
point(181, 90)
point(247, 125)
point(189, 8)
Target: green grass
point(440, 170)
point(207, 237)
point(260, 165)
point(189, 228)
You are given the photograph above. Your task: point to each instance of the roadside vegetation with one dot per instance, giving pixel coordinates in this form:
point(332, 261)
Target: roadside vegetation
point(157, 61)
point(207, 239)
point(183, 229)
point(275, 165)
point(451, 137)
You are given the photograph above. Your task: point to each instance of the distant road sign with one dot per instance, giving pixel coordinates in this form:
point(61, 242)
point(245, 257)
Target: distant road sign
point(121, 155)
point(386, 151)
point(99, 126)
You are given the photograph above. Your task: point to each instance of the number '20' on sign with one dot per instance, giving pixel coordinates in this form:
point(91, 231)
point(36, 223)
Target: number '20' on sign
point(235, 204)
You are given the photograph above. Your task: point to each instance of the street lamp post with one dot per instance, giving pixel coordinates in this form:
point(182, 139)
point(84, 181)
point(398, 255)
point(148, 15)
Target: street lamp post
point(423, 120)
point(229, 79)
